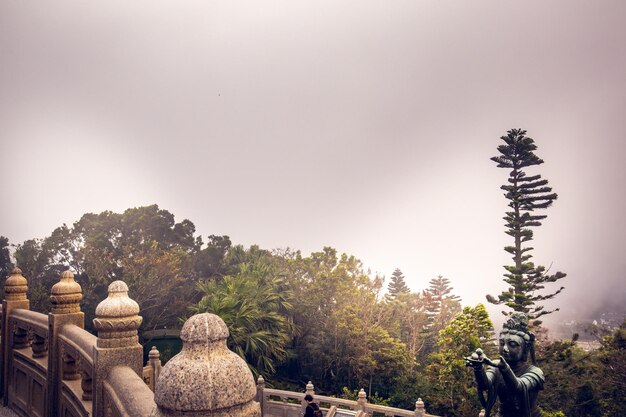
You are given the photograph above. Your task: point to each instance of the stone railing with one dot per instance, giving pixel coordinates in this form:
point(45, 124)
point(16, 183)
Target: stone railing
point(278, 403)
point(51, 367)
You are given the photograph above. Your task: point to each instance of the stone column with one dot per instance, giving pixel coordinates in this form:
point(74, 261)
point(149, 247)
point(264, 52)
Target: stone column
point(116, 322)
point(65, 297)
point(205, 379)
point(419, 408)
point(15, 289)
point(362, 401)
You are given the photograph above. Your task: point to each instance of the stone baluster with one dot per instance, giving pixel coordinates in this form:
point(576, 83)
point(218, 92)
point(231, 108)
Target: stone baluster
point(154, 362)
point(420, 410)
point(39, 345)
point(361, 403)
point(86, 384)
point(260, 387)
point(65, 297)
point(205, 379)
point(15, 288)
point(117, 320)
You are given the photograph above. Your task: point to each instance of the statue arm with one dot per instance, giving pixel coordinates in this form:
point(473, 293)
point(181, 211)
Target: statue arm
point(483, 379)
point(531, 380)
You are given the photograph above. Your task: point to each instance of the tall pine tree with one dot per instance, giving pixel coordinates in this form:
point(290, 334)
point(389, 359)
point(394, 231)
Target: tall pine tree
point(526, 194)
point(397, 285)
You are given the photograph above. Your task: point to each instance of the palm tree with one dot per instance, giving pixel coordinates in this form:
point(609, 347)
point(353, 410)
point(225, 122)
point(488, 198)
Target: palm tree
point(255, 305)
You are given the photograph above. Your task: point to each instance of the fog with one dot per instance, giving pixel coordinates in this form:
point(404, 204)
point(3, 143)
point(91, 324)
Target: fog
point(367, 126)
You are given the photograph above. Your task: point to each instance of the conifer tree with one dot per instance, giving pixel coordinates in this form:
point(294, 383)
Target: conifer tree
point(526, 195)
point(397, 285)
point(442, 304)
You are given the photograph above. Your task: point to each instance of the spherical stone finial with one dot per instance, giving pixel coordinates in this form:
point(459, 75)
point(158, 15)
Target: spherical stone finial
point(66, 294)
point(117, 318)
point(205, 378)
point(15, 286)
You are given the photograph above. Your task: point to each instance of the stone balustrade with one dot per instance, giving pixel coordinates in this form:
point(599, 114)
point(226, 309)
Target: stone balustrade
point(51, 367)
point(279, 403)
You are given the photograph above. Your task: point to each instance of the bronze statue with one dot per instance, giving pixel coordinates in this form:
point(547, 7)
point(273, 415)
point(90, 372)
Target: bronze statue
point(511, 379)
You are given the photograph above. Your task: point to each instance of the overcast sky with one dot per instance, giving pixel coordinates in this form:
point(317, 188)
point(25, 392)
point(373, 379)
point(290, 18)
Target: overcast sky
point(367, 126)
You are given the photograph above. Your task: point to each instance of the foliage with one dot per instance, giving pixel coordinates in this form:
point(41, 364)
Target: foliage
point(441, 306)
point(143, 246)
point(526, 194)
point(5, 262)
point(453, 391)
point(255, 305)
point(397, 285)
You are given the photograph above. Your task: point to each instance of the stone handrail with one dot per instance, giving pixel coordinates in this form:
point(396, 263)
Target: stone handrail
point(332, 405)
point(25, 321)
point(127, 394)
point(79, 341)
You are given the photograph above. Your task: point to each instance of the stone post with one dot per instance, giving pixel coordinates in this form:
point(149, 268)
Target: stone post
point(116, 322)
point(362, 401)
point(419, 408)
point(65, 297)
point(15, 289)
point(154, 362)
point(310, 390)
point(205, 379)
point(260, 386)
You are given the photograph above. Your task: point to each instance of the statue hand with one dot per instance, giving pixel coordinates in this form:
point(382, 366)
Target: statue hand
point(476, 360)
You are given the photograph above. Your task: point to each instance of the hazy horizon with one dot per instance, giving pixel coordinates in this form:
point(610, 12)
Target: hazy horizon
point(366, 126)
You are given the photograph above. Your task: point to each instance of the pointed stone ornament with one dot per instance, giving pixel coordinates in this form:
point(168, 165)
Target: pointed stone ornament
point(205, 378)
point(16, 286)
point(66, 294)
point(117, 318)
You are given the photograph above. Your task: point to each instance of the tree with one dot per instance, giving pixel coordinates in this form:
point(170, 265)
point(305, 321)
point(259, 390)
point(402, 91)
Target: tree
point(255, 304)
point(5, 262)
point(5, 258)
point(441, 306)
point(143, 246)
point(453, 391)
point(526, 194)
point(397, 285)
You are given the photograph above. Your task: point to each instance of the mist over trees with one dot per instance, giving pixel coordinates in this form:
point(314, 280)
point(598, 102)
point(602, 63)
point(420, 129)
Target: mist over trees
point(526, 195)
point(295, 317)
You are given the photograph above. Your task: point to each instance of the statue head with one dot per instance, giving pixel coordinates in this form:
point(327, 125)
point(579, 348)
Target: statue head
point(516, 341)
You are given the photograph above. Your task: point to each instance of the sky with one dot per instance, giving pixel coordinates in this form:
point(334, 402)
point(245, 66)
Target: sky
point(362, 125)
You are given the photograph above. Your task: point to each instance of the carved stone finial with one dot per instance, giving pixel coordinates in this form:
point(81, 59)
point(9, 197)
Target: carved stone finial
point(154, 354)
point(362, 400)
point(362, 394)
point(15, 286)
point(66, 294)
point(419, 407)
point(117, 318)
point(205, 378)
point(310, 389)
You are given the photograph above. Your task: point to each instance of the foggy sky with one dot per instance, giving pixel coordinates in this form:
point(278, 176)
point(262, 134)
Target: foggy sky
point(367, 126)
